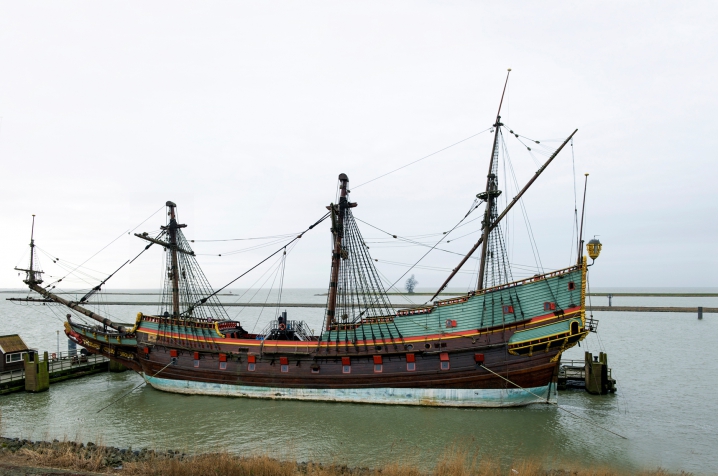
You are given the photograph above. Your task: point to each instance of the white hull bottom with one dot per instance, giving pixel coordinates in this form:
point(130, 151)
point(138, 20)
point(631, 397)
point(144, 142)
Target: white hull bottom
point(435, 397)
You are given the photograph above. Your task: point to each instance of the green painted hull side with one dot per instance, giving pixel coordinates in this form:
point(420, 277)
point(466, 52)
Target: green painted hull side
point(543, 331)
point(106, 339)
point(154, 327)
point(482, 311)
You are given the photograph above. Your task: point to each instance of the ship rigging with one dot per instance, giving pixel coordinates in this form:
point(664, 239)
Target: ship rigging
point(460, 351)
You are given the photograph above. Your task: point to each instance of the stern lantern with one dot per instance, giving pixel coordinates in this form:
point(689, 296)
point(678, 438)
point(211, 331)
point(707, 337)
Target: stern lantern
point(594, 248)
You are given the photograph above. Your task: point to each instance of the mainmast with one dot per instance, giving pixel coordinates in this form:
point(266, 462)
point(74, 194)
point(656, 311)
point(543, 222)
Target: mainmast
point(492, 191)
point(338, 212)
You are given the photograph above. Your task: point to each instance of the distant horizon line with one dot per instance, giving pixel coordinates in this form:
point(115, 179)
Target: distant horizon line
point(418, 290)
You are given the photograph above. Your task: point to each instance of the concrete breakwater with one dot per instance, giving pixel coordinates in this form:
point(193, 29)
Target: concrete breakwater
point(652, 309)
point(288, 305)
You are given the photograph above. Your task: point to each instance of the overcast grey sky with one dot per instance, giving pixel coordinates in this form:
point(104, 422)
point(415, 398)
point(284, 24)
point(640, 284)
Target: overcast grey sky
point(244, 113)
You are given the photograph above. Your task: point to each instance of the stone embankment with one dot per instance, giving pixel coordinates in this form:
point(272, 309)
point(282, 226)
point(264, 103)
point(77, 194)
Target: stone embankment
point(106, 456)
point(21, 457)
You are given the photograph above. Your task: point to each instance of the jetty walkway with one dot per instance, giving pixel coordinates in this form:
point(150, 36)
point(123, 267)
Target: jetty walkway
point(61, 367)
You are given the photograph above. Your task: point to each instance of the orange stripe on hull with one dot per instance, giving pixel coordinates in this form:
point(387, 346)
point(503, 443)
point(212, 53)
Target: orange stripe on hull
point(408, 340)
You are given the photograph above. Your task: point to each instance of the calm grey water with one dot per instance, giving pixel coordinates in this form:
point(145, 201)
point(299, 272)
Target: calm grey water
point(666, 366)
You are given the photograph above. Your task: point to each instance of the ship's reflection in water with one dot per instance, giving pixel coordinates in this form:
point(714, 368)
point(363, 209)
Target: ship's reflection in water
point(666, 375)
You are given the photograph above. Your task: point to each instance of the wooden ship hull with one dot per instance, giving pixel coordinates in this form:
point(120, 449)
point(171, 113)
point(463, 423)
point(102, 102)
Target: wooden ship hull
point(497, 346)
point(476, 352)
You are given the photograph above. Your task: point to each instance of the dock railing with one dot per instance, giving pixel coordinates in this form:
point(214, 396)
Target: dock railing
point(57, 363)
point(12, 375)
point(71, 360)
point(579, 364)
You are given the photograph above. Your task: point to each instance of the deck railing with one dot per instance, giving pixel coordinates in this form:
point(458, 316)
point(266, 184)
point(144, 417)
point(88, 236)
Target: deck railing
point(299, 328)
point(579, 364)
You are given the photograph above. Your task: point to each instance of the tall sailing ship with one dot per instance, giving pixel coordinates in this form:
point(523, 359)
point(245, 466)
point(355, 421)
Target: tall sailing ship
point(499, 345)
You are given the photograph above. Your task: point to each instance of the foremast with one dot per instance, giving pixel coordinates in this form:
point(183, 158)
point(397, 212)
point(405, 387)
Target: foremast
point(172, 230)
point(172, 245)
point(186, 289)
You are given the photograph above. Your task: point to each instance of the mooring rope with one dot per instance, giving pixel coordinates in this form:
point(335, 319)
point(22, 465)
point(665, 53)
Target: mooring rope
point(552, 403)
point(143, 383)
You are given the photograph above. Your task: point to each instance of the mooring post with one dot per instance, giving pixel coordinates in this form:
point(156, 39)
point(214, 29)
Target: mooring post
point(610, 297)
point(115, 366)
point(700, 312)
point(37, 376)
point(596, 373)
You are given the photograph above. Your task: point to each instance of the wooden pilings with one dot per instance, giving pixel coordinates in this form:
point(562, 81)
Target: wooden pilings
point(597, 374)
point(37, 376)
point(115, 366)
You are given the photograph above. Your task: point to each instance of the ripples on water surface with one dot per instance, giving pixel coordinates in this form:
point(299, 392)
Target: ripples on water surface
point(666, 366)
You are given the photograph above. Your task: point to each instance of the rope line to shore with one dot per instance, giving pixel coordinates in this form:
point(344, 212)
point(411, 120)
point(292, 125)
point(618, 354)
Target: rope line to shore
point(553, 403)
point(143, 383)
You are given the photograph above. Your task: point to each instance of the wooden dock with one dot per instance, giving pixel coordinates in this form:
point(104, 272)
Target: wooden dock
point(591, 374)
point(62, 367)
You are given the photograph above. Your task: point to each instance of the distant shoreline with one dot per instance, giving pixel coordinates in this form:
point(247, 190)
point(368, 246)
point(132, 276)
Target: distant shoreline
point(458, 293)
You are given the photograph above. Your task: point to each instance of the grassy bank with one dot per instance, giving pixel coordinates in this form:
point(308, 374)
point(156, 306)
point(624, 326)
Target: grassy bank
point(109, 460)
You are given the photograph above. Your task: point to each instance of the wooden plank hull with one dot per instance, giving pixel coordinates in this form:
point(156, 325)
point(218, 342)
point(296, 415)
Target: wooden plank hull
point(461, 352)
